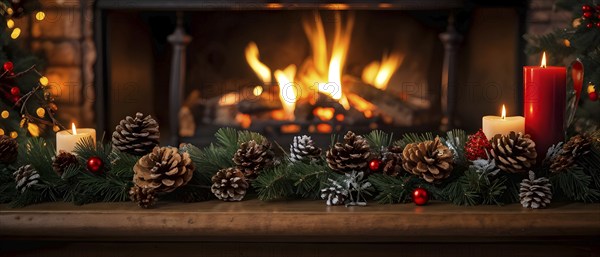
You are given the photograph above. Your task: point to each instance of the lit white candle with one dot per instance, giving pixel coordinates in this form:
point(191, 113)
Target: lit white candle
point(492, 125)
point(67, 140)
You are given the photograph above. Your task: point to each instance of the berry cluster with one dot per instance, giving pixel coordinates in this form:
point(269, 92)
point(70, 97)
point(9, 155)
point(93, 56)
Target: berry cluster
point(591, 15)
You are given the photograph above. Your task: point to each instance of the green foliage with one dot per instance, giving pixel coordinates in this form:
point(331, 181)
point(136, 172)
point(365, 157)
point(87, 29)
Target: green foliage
point(309, 178)
point(475, 188)
point(456, 140)
point(7, 184)
point(274, 183)
point(410, 138)
point(574, 185)
point(379, 140)
point(394, 189)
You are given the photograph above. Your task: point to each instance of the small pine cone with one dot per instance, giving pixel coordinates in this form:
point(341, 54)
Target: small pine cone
point(252, 157)
point(535, 193)
point(144, 197)
point(352, 155)
point(334, 195)
point(229, 185)
point(430, 160)
point(163, 170)
point(303, 149)
point(392, 161)
point(577, 146)
point(62, 161)
point(137, 136)
point(25, 177)
point(8, 149)
point(514, 153)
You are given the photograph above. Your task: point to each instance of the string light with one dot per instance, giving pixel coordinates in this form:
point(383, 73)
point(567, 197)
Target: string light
point(44, 81)
point(9, 11)
point(14, 134)
point(1, 132)
point(56, 128)
point(5, 114)
point(40, 16)
point(40, 112)
point(15, 34)
point(10, 23)
point(33, 129)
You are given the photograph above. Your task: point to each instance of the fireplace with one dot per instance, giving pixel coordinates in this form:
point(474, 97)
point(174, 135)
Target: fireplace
point(304, 67)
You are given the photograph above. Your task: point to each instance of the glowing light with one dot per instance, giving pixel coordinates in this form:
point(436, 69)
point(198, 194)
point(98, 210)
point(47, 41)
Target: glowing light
point(55, 128)
point(33, 129)
point(40, 16)
point(15, 33)
point(5, 114)
point(1, 132)
point(14, 134)
point(10, 23)
point(378, 74)
point(324, 113)
point(73, 128)
point(9, 11)
point(257, 91)
point(287, 90)
point(44, 81)
point(252, 57)
point(503, 112)
point(41, 112)
point(543, 60)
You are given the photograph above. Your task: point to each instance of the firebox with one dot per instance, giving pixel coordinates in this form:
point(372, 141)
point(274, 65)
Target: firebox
point(304, 67)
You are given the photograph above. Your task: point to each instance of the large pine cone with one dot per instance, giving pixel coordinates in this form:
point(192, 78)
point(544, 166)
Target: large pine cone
point(164, 169)
point(62, 161)
point(535, 193)
point(8, 149)
point(144, 197)
point(252, 157)
point(577, 146)
point(430, 160)
point(229, 185)
point(352, 155)
point(25, 177)
point(514, 152)
point(137, 136)
point(303, 149)
point(392, 161)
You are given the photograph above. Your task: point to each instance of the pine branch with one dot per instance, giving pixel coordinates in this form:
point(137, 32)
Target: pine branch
point(228, 138)
point(245, 136)
point(309, 178)
point(379, 140)
point(393, 189)
point(274, 183)
point(410, 138)
point(574, 184)
point(456, 141)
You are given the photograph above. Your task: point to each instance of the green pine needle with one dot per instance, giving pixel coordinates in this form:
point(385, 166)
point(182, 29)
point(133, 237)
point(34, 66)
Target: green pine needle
point(379, 140)
point(274, 183)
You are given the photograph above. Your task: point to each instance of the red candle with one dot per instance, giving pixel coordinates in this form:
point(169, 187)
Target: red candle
point(545, 102)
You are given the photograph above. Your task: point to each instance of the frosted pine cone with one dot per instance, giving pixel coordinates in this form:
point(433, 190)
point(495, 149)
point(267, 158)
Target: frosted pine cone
point(334, 194)
point(137, 136)
point(229, 185)
point(303, 149)
point(25, 177)
point(535, 193)
point(144, 197)
point(252, 157)
point(351, 155)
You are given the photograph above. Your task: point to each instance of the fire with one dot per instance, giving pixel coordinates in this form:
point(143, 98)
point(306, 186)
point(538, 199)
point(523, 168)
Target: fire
point(287, 90)
point(252, 57)
point(379, 74)
point(324, 113)
point(543, 65)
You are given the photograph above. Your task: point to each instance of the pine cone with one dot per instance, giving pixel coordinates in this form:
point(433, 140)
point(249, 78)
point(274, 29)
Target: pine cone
point(25, 177)
point(62, 161)
point(577, 146)
point(514, 152)
point(229, 185)
point(8, 149)
point(352, 155)
point(334, 195)
point(430, 160)
point(392, 161)
point(535, 193)
point(303, 149)
point(144, 197)
point(137, 136)
point(252, 157)
point(164, 169)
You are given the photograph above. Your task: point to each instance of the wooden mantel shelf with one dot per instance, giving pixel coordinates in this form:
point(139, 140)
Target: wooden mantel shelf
point(307, 220)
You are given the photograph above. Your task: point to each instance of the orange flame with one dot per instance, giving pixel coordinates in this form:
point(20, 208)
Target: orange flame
point(503, 112)
point(73, 128)
point(543, 60)
point(287, 90)
point(379, 74)
point(252, 57)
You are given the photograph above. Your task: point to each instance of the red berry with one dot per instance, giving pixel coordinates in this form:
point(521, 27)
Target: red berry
point(477, 146)
point(420, 196)
point(374, 165)
point(8, 66)
point(587, 15)
point(15, 91)
point(589, 25)
point(16, 99)
point(593, 96)
point(586, 8)
point(95, 164)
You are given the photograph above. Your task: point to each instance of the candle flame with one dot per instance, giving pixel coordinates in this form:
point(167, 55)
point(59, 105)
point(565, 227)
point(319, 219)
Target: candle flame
point(503, 112)
point(74, 128)
point(543, 60)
